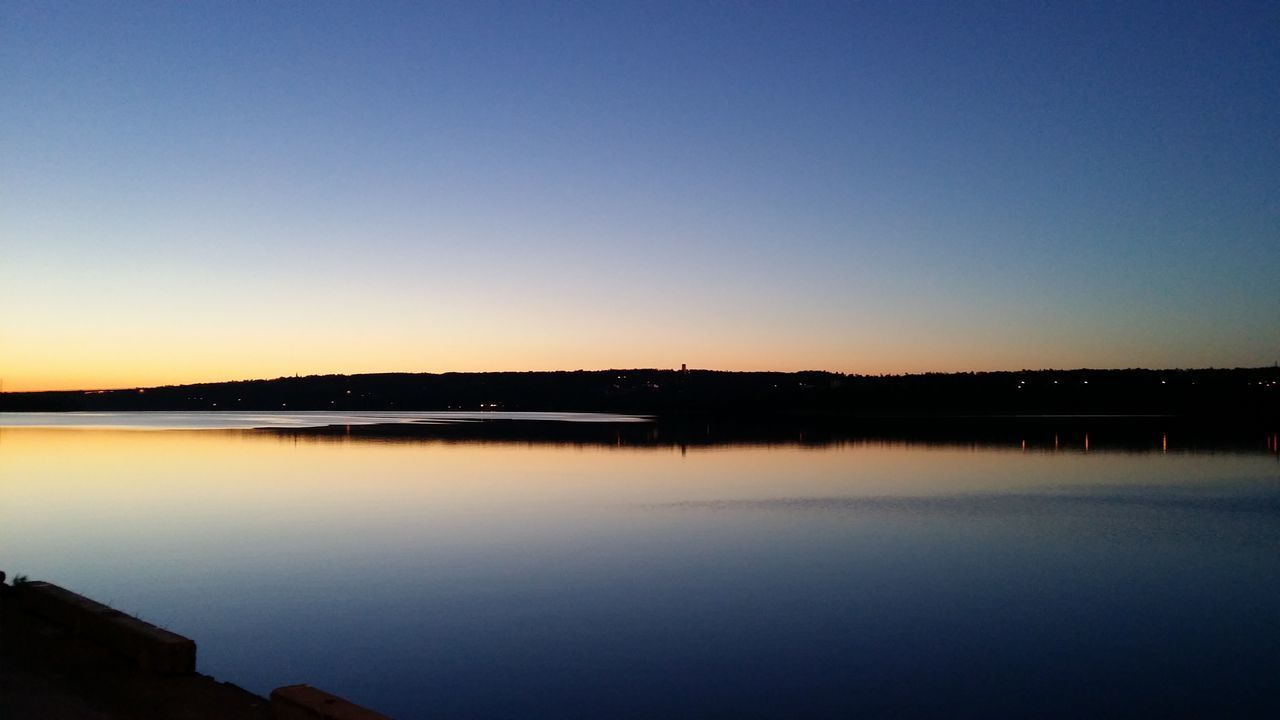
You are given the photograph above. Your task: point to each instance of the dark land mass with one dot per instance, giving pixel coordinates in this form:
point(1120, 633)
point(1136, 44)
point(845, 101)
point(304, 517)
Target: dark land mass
point(1240, 393)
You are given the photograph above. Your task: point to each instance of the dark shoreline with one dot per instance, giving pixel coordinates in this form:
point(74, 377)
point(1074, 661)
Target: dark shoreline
point(1198, 393)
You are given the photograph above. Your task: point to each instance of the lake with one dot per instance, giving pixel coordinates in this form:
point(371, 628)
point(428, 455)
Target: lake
point(578, 566)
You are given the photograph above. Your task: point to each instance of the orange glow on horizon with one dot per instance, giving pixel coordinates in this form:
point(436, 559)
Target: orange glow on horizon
point(38, 357)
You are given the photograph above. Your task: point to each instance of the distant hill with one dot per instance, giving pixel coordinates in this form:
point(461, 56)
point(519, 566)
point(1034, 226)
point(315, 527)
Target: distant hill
point(1239, 392)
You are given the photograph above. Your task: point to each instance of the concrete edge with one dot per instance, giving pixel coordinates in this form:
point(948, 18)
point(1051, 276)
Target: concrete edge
point(150, 647)
point(303, 702)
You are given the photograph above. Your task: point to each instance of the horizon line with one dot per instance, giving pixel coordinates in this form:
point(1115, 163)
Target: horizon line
point(640, 369)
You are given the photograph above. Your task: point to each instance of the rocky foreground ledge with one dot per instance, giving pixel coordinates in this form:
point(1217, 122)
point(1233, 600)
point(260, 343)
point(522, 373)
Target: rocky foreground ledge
point(64, 656)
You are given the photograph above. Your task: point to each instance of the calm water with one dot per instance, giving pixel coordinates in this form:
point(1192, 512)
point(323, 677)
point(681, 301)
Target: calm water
point(512, 578)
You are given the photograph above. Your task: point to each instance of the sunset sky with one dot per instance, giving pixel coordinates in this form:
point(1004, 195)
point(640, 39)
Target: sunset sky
point(217, 191)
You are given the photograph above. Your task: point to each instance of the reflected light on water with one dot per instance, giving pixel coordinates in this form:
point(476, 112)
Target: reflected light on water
point(560, 579)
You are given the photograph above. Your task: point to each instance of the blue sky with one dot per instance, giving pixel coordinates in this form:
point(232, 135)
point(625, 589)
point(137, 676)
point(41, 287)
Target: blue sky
point(212, 191)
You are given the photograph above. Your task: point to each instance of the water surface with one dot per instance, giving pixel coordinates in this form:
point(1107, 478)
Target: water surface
point(495, 578)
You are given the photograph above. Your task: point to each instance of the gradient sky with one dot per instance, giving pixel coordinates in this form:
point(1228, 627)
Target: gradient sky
point(196, 192)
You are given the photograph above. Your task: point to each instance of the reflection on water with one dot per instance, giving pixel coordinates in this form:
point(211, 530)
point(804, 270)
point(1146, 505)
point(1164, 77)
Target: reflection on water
point(601, 570)
point(247, 420)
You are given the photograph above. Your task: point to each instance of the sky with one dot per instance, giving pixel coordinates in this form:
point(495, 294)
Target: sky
point(217, 191)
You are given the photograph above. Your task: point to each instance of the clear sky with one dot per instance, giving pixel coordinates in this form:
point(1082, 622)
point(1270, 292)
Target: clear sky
point(209, 191)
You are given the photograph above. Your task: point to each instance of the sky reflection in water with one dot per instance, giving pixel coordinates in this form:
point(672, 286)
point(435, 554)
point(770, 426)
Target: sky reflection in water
point(558, 580)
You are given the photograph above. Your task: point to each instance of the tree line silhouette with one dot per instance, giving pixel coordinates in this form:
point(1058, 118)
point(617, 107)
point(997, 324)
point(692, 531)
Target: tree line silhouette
point(1237, 393)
